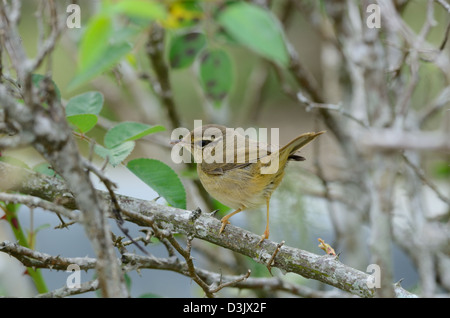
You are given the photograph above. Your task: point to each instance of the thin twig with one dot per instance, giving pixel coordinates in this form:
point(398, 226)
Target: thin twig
point(444, 4)
point(186, 254)
point(154, 48)
point(272, 258)
point(231, 283)
point(32, 201)
point(425, 180)
point(66, 291)
point(46, 49)
point(332, 107)
point(117, 210)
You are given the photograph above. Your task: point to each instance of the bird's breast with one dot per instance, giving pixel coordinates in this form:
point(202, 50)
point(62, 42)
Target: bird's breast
point(240, 188)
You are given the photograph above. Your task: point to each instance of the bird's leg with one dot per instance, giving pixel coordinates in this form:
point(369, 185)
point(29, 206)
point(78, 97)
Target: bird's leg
point(224, 220)
point(266, 232)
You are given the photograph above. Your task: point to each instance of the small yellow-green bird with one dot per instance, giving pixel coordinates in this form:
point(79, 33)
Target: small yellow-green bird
point(237, 171)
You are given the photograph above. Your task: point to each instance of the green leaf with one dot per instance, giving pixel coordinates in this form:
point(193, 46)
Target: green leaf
point(116, 154)
point(149, 295)
point(128, 282)
point(111, 56)
point(257, 29)
point(128, 131)
point(46, 169)
point(86, 103)
point(184, 49)
point(14, 161)
point(97, 54)
point(82, 110)
point(83, 122)
point(41, 227)
point(148, 10)
point(216, 74)
point(217, 205)
point(95, 41)
point(441, 169)
point(183, 14)
point(161, 178)
point(125, 34)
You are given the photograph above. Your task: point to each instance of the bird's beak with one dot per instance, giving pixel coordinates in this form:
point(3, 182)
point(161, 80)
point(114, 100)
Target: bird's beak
point(174, 141)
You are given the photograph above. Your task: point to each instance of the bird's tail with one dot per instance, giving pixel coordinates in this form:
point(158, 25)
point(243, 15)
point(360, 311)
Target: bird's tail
point(271, 164)
point(298, 143)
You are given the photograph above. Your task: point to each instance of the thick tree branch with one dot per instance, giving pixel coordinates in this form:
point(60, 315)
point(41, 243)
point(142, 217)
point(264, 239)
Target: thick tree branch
point(132, 261)
point(391, 139)
point(326, 269)
point(46, 129)
point(50, 135)
point(32, 258)
point(32, 201)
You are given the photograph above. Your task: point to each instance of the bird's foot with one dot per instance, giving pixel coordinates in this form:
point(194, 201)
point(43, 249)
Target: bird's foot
point(224, 223)
point(265, 236)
